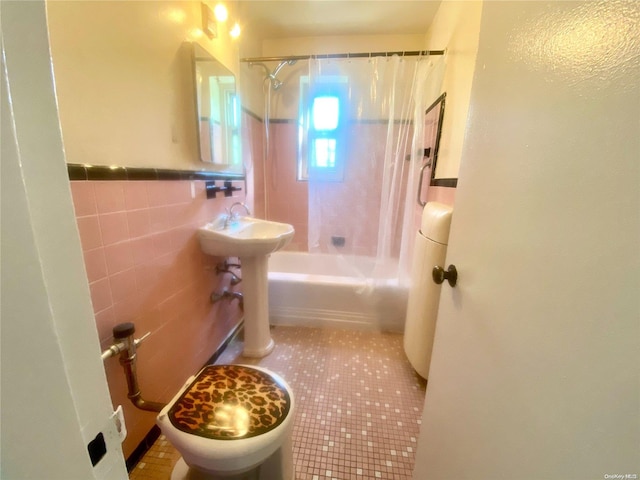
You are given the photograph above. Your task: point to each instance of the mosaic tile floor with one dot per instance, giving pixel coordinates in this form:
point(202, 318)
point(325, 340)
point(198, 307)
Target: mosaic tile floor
point(358, 410)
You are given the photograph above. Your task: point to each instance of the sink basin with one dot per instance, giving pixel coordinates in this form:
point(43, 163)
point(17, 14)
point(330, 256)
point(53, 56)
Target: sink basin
point(244, 237)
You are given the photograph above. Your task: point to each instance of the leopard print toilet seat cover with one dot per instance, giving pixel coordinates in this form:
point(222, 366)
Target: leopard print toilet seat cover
point(231, 402)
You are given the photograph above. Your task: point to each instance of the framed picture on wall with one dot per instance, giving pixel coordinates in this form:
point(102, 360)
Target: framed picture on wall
point(433, 118)
point(433, 121)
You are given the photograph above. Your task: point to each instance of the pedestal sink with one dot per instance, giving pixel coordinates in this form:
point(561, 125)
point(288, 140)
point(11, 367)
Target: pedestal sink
point(251, 240)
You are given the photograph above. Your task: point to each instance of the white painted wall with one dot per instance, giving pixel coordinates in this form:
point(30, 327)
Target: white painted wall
point(250, 78)
point(456, 28)
point(285, 101)
point(124, 80)
point(341, 44)
point(54, 392)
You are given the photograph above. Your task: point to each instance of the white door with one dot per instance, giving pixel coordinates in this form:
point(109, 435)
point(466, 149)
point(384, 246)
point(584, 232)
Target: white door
point(55, 399)
point(535, 371)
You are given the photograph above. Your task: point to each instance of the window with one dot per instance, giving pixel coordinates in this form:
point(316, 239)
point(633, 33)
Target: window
point(232, 134)
point(325, 112)
point(321, 140)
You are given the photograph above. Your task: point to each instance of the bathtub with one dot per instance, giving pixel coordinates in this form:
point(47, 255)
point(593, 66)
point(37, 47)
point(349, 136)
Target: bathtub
point(319, 290)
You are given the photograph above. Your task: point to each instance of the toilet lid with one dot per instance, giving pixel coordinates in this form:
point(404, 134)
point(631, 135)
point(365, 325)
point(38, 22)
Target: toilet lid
point(231, 402)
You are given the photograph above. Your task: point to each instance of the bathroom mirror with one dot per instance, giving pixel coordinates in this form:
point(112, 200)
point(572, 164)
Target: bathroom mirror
point(433, 118)
point(217, 112)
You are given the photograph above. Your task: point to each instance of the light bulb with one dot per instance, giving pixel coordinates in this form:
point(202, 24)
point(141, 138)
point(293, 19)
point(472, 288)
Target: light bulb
point(235, 31)
point(220, 11)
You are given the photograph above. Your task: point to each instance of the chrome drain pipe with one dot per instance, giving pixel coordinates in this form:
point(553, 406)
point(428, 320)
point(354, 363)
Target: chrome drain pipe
point(224, 267)
point(125, 345)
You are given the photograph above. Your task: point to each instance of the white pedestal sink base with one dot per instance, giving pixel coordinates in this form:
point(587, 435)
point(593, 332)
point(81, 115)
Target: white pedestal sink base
point(251, 240)
point(263, 352)
point(257, 337)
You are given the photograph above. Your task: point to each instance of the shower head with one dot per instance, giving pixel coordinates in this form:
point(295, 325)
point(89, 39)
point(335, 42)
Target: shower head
point(271, 76)
point(282, 64)
point(275, 82)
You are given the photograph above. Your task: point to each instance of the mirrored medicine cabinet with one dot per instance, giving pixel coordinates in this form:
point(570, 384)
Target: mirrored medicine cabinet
point(217, 112)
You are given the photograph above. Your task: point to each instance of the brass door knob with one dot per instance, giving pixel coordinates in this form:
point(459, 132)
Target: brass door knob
point(439, 275)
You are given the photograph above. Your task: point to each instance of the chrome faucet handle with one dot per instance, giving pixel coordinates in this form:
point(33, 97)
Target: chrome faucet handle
point(123, 332)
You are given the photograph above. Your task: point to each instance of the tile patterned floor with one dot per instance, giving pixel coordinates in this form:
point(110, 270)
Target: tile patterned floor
point(358, 409)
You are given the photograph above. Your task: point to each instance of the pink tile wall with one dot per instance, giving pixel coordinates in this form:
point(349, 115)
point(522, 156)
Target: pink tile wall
point(253, 159)
point(144, 265)
point(444, 195)
point(286, 196)
point(286, 200)
point(350, 208)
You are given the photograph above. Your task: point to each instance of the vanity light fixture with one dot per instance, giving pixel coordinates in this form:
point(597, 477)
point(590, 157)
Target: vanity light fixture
point(209, 25)
point(211, 18)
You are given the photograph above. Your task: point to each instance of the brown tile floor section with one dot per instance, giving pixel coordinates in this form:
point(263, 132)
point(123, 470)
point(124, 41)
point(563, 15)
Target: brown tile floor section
point(157, 463)
point(358, 405)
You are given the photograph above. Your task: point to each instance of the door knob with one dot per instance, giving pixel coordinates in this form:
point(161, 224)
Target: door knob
point(439, 275)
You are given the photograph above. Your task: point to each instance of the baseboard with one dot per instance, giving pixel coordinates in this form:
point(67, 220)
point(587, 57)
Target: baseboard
point(142, 448)
point(220, 350)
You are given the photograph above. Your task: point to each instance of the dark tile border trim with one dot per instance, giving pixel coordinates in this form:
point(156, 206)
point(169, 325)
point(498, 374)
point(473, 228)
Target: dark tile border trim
point(252, 114)
point(78, 171)
point(282, 120)
point(365, 121)
point(354, 122)
point(445, 182)
point(143, 447)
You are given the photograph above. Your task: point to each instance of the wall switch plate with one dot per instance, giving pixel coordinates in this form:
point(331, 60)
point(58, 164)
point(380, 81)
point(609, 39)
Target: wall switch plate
point(118, 419)
point(97, 449)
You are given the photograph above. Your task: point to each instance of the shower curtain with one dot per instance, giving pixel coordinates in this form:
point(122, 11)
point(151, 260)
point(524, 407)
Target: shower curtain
point(362, 124)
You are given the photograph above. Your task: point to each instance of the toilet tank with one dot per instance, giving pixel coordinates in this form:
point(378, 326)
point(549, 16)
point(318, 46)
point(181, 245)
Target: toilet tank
point(424, 294)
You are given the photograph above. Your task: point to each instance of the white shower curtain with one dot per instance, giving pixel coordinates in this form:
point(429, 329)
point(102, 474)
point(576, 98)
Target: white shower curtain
point(363, 174)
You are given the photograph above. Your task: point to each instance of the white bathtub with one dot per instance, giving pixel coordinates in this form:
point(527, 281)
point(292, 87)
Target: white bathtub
point(319, 290)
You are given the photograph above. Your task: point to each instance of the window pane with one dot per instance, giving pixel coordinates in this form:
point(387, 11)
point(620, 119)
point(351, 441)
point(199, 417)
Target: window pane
point(325, 113)
point(325, 152)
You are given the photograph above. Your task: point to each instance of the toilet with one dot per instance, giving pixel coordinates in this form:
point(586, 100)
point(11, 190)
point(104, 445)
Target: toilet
point(231, 422)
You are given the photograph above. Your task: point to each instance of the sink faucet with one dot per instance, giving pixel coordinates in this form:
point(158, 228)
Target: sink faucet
point(231, 216)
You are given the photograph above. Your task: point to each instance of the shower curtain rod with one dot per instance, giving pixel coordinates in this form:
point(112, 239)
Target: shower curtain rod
point(286, 58)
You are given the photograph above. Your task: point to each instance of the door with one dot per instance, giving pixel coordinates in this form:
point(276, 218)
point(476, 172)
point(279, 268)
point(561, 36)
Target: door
point(55, 400)
point(535, 371)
